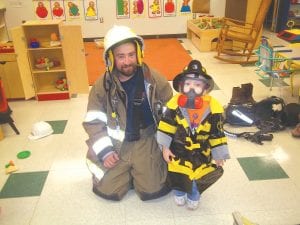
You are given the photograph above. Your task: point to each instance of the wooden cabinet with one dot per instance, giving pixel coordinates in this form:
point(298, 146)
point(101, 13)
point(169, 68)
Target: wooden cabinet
point(48, 61)
point(14, 86)
point(3, 28)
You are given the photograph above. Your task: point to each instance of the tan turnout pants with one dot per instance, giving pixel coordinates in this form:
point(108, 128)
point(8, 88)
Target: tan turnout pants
point(141, 164)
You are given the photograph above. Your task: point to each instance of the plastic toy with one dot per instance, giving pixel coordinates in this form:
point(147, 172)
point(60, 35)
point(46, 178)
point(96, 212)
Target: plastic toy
point(44, 63)
point(61, 84)
point(23, 154)
point(54, 40)
point(34, 43)
point(10, 167)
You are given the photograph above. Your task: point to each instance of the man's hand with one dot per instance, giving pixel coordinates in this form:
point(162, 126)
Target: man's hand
point(167, 154)
point(111, 160)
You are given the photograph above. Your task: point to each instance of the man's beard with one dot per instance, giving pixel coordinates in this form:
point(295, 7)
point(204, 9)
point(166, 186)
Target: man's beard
point(127, 70)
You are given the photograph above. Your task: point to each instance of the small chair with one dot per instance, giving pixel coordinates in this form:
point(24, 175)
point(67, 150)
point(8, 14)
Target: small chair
point(5, 111)
point(244, 37)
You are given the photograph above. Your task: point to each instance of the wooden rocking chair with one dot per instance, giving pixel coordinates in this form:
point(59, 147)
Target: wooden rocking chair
point(243, 35)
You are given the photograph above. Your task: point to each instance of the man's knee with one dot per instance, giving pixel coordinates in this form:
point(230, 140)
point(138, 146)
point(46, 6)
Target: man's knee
point(109, 191)
point(145, 196)
point(113, 196)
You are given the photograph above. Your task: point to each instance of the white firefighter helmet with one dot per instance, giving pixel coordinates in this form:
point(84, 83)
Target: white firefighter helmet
point(117, 34)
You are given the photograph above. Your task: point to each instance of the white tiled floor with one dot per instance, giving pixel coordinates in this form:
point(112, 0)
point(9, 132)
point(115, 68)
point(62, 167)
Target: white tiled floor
point(67, 197)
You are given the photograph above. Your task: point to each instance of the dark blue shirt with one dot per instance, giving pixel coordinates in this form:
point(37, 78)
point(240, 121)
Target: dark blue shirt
point(146, 115)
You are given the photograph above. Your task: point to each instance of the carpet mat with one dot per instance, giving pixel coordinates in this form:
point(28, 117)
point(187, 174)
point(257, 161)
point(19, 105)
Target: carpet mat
point(165, 55)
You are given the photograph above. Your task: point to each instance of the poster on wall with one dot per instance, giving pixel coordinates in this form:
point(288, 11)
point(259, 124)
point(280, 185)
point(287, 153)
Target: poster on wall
point(74, 9)
point(169, 8)
point(137, 9)
point(42, 9)
point(154, 8)
point(184, 7)
point(123, 9)
point(58, 9)
point(90, 9)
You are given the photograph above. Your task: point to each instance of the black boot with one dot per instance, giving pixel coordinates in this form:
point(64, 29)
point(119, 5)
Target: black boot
point(237, 97)
point(247, 90)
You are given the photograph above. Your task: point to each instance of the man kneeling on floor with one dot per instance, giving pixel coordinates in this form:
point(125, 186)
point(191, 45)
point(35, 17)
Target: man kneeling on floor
point(124, 108)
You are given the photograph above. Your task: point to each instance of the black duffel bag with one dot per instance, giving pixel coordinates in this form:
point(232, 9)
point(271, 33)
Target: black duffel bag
point(267, 115)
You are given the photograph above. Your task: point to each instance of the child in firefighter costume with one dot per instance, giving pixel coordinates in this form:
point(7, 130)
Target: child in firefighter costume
point(192, 137)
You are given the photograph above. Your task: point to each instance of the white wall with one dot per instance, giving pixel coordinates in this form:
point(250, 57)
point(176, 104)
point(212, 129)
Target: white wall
point(20, 10)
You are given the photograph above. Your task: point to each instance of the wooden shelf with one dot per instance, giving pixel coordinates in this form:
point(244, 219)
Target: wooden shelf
point(45, 48)
point(65, 57)
point(55, 70)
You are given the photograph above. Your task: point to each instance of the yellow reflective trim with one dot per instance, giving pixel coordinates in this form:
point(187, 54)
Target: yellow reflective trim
point(215, 106)
point(172, 103)
point(166, 127)
point(206, 98)
point(183, 122)
point(218, 141)
point(206, 127)
point(188, 164)
point(201, 171)
point(192, 145)
point(202, 137)
point(206, 152)
point(174, 166)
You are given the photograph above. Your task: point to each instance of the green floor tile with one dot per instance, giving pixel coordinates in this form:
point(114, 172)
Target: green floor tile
point(262, 168)
point(24, 184)
point(58, 126)
point(276, 82)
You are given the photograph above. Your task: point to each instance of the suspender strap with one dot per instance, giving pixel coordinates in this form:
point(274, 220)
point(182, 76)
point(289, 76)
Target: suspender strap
point(139, 97)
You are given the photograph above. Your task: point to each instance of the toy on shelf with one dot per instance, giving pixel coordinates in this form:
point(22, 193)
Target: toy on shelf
point(54, 40)
point(34, 43)
point(46, 63)
point(61, 84)
point(10, 167)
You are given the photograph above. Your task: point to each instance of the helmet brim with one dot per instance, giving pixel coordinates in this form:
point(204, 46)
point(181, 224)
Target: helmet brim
point(179, 79)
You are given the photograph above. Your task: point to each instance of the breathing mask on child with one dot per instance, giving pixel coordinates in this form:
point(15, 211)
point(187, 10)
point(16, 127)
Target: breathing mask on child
point(192, 83)
point(192, 92)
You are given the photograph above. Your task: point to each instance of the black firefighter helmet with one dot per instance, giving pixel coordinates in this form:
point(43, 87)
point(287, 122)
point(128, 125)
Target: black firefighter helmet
point(194, 71)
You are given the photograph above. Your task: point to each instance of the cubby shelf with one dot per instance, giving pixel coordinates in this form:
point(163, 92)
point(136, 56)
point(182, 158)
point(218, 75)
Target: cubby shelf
point(49, 63)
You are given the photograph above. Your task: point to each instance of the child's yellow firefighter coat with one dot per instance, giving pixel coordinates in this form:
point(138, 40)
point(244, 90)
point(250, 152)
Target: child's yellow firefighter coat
point(194, 148)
